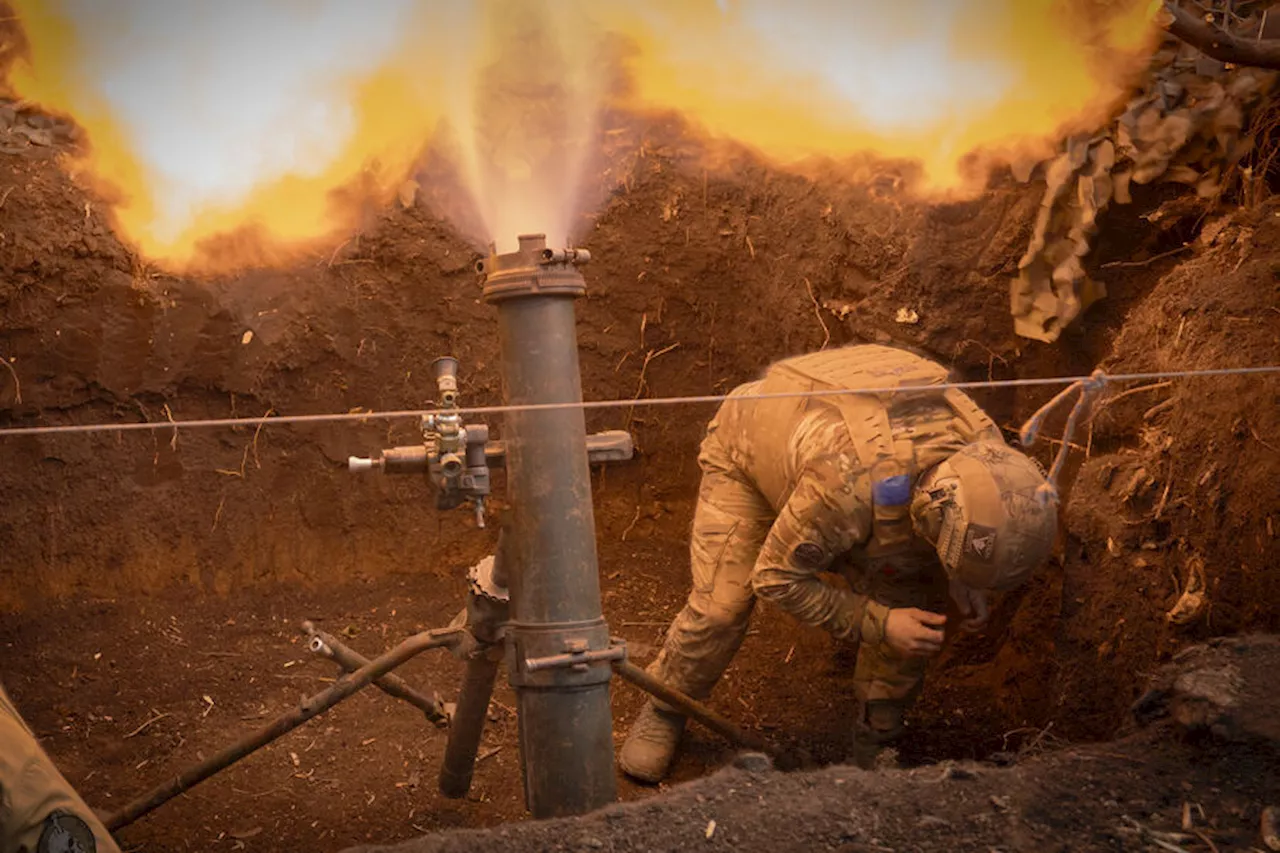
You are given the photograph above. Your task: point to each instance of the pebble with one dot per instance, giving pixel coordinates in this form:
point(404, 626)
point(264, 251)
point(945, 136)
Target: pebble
point(753, 762)
point(1002, 759)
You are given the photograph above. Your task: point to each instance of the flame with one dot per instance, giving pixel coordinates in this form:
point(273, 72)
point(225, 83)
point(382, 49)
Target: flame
point(185, 143)
point(244, 132)
point(930, 82)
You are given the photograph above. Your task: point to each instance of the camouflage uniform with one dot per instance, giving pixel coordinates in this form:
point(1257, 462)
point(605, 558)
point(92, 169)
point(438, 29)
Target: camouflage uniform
point(786, 494)
point(39, 811)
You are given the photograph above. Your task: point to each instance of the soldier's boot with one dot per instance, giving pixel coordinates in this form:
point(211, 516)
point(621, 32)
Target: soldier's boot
point(880, 725)
point(651, 745)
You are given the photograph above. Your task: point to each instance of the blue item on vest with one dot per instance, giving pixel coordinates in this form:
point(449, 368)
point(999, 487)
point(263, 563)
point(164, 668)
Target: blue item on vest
point(892, 491)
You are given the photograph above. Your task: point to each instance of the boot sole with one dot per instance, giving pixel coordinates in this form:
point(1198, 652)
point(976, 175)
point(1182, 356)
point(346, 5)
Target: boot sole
point(638, 776)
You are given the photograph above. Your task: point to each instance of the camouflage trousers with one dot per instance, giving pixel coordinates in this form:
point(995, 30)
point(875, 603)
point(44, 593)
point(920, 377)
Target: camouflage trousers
point(36, 801)
point(730, 524)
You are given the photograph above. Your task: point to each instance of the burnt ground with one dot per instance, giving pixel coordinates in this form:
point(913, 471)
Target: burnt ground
point(153, 578)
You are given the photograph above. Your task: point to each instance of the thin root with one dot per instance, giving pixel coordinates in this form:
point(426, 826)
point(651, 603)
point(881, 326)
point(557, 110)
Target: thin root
point(632, 526)
point(817, 311)
point(17, 386)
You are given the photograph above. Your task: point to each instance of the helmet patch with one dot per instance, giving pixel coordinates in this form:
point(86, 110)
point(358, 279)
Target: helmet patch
point(980, 543)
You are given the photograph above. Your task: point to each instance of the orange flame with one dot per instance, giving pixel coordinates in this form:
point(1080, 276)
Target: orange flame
point(928, 82)
point(515, 88)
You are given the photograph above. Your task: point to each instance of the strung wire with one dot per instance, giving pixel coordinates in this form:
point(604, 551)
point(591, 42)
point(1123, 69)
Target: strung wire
point(359, 417)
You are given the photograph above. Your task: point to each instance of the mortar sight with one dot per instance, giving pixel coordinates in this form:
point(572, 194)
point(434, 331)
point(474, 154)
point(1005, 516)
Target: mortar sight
point(446, 371)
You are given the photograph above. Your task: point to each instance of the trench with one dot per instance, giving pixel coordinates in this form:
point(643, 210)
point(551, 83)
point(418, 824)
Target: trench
point(153, 584)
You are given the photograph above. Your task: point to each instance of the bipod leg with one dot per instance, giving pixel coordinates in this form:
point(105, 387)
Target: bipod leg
point(343, 688)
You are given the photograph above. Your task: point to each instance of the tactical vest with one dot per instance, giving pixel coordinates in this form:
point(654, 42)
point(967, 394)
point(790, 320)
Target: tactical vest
point(894, 464)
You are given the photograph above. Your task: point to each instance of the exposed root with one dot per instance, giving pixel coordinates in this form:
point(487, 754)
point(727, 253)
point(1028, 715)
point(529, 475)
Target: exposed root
point(632, 526)
point(644, 370)
point(173, 442)
point(817, 311)
point(17, 386)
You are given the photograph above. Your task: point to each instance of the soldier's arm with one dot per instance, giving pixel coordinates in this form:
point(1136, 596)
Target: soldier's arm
point(828, 514)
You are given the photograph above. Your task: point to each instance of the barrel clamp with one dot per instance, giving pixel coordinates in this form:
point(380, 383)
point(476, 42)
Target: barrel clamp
point(578, 656)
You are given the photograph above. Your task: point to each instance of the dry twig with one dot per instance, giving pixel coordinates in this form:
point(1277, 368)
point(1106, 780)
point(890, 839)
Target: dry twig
point(1213, 848)
point(1149, 261)
point(139, 730)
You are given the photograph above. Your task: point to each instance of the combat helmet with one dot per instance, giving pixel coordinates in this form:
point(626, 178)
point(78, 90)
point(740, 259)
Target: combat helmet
point(985, 511)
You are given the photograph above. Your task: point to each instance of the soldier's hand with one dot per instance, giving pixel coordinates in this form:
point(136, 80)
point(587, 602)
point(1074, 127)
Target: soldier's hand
point(914, 633)
point(972, 604)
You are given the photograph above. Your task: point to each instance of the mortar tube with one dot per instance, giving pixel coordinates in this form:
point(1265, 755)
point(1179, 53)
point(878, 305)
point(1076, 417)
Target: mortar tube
point(343, 688)
point(565, 719)
point(393, 685)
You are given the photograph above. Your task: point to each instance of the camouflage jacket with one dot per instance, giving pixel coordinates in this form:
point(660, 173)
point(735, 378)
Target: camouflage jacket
point(804, 462)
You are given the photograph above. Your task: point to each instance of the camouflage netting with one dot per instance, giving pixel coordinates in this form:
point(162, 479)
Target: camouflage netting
point(1188, 127)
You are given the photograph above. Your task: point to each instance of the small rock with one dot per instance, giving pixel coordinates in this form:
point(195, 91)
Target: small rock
point(35, 135)
point(907, 316)
point(592, 842)
point(40, 121)
point(931, 822)
point(1208, 698)
point(1000, 803)
point(1002, 759)
point(960, 774)
point(753, 762)
point(246, 337)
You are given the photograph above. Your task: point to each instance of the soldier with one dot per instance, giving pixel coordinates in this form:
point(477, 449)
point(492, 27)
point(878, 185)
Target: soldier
point(914, 496)
point(39, 810)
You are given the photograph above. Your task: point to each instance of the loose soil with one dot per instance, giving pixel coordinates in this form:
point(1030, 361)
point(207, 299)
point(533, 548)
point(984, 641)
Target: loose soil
point(161, 577)
point(1166, 787)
